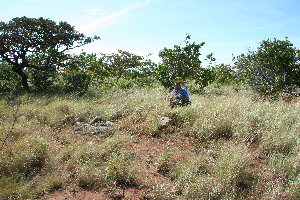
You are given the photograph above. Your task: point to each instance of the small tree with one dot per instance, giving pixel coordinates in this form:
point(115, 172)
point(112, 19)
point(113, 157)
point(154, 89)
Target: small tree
point(273, 67)
point(39, 44)
point(126, 65)
point(182, 62)
point(223, 74)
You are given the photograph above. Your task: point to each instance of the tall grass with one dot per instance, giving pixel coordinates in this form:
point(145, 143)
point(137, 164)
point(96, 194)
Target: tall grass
point(241, 147)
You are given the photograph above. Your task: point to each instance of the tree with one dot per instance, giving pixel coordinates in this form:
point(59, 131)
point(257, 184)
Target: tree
point(80, 72)
point(181, 62)
point(223, 74)
point(37, 43)
point(9, 81)
point(124, 64)
point(273, 67)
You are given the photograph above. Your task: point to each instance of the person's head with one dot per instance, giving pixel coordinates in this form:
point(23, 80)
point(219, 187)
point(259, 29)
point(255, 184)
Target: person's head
point(177, 85)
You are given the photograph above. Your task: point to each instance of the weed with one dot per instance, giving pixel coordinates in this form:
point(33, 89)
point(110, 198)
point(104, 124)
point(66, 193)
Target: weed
point(227, 128)
point(284, 167)
point(165, 163)
point(119, 172)
point(159, 192)
point(88, 176)
point(24, 157)
point(230, 163)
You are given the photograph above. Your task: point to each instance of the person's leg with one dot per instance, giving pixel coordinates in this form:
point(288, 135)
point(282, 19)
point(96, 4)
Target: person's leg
point(174, 103)
point(185, 103)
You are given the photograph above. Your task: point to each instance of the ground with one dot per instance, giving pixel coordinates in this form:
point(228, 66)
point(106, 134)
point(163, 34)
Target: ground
point(148, 177)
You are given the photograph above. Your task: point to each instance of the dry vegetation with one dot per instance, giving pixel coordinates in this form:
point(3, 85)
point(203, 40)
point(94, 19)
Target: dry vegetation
point(227, 145)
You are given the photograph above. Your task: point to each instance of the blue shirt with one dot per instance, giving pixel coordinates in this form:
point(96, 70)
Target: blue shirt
point(183, 92)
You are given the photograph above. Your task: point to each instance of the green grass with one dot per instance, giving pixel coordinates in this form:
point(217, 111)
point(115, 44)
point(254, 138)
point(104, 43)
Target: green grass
point(240, 146)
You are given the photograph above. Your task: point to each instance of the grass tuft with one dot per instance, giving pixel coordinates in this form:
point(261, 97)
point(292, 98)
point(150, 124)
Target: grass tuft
point(227, 145)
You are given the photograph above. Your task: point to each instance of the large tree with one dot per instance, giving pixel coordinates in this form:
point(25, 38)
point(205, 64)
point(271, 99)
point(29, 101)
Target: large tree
point(37, 43)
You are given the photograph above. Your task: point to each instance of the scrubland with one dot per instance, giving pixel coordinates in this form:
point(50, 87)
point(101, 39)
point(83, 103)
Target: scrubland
point(229, 144)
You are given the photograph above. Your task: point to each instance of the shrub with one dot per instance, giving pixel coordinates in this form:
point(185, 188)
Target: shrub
point(272, 68)
point(165, 163)
point(24, 157)
point(284, 167)
point(195, 178)
point(120, 172)
point(230, 164)
point(214, 127)
point(88, 176)
point(39, 186)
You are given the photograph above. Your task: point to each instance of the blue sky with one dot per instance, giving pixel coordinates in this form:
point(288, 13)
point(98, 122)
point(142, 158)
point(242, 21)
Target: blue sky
point(147, 26)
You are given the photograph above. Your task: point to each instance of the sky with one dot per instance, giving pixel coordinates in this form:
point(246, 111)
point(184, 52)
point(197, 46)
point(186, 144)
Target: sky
point(228, 27)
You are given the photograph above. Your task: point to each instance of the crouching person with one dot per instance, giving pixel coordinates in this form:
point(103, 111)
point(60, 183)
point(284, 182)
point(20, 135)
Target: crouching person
point(179, 96)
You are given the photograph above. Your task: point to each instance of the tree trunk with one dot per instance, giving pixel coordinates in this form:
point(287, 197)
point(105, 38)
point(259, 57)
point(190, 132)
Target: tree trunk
point(24, 77)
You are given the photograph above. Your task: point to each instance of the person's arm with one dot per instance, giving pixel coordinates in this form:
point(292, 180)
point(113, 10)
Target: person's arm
point(172, 94)
point(184, 95)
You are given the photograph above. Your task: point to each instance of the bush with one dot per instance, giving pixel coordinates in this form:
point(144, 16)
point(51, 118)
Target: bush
point(272, 68)
point(230, 164)
point(76, 81)
point(24, 157)
point(9, 80)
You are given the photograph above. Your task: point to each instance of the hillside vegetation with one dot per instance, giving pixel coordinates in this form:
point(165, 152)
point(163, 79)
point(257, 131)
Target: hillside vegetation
point(227, 145)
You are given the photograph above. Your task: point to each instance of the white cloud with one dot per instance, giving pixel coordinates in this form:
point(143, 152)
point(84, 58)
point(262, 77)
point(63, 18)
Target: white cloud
point(110, 19)
point(275, 25)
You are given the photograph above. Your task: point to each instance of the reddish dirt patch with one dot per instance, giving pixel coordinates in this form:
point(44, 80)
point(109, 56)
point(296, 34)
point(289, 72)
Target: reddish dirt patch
point(93, 195)
point(145, 151)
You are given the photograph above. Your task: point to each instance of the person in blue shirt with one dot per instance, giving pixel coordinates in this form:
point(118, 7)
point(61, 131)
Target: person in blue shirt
point(179, 95)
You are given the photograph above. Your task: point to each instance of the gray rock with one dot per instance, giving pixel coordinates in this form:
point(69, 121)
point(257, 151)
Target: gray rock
point(109, 123)
point(98, 129)
point(96, 120)
point(80, 126)
point(95, 126)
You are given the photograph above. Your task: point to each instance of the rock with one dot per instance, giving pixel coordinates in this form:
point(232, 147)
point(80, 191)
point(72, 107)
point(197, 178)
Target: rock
point(164, 121)
point(80, 126)
point(23, 118)
point(98, 129)
point(96, 120)
point(96, 126)
point(109, 123)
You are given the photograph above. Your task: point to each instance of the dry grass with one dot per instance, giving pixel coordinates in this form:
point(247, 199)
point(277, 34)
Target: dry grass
point(227, 145)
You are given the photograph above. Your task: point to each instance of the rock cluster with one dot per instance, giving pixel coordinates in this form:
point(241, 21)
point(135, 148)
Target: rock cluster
point(96, 126)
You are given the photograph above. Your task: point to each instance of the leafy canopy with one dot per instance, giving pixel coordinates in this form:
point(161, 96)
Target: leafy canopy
point(273, 67)
point(38, 43)
point(181, 62)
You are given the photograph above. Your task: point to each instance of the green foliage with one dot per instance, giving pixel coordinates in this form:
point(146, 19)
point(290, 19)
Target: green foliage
point(273, 67)
point(37, 43)
point(76, 81)
point(162, 71)
point(180, 63)
point(223, 74)
point(43, 81)
point(126, 65)
point(9, 81)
